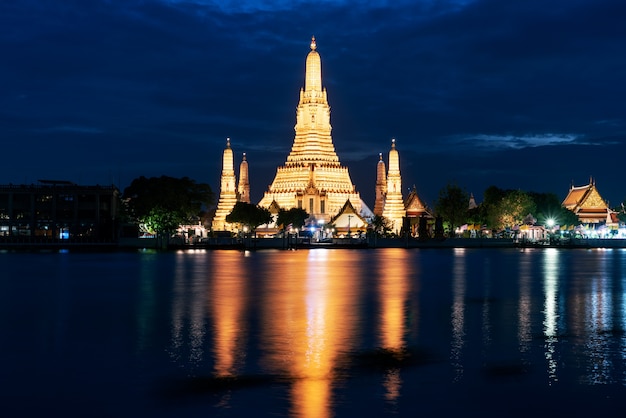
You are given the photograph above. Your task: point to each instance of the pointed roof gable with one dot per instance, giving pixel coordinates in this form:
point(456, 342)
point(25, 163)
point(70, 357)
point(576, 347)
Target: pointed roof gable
point(274, 208)
point(586, 203)
point(584, 197)
point(414, 205)
point(348, 216)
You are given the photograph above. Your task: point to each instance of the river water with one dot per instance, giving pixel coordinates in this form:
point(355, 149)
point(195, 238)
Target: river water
point(313, 333)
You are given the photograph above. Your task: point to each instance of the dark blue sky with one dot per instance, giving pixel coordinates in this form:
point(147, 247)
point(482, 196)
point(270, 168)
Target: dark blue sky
point(521, 94)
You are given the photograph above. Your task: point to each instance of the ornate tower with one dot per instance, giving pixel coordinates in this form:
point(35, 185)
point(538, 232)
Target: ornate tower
point(243, 188)
point(393, 209)
point(228, 195)
point(312, 178)
point(381, 186)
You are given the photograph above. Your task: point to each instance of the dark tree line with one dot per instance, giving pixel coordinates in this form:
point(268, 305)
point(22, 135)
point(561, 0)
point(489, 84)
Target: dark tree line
point(164, 203)
point(501, 208)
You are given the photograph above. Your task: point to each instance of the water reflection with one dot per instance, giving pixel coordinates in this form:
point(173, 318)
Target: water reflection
point(303, 315)
point(309, 319)
point(147, 302)
point(169, 328)
point(395, 276)
point(550, 289)
point(599, 322)
point(524, 327)
point(188, 311)
point(458, 311)
point(226, 300)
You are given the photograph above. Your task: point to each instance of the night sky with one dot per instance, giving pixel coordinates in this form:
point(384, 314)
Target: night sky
point(524, 94)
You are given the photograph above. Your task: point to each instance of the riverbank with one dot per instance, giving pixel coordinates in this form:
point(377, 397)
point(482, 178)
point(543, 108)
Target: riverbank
point(292, 243)
point(373, 243)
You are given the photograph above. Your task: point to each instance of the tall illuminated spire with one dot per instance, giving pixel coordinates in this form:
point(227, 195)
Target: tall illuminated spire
point(381, 186)
point(228, 195)
point(243, 187)
point(313, 81)
point(313, 142)
point(312, 177)
point(394, 204)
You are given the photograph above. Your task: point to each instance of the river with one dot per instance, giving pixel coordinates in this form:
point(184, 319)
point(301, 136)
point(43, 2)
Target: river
point(313, 333)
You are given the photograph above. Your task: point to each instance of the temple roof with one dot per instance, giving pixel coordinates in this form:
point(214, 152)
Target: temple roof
point(586, 203)
point(586, 196)
point(414, 205)
point(344, 217)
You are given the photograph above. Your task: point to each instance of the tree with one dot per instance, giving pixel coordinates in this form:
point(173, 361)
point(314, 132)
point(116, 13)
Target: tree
point(492, 197)
point(164, 203)
point(549, 207)
point(294, 217)
point(621, 212)
point(380, 225)
point(249, 215)
point(513, 207)
point(452, 205)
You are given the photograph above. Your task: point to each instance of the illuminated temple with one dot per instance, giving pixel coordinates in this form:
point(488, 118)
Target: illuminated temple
point(393, 207)
point(230, 191)
point(312, 177)
point(586, 202)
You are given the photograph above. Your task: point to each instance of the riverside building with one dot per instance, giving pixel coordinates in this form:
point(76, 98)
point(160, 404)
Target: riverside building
point(58, 210)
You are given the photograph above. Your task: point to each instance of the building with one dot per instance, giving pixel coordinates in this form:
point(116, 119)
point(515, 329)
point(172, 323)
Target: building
point(381, 186)
point(53, 210)
point(228, 192)
point(312, 178)
point(415, 209)
point(348, 222)
point(393, 209)
point(243, 186)
point(587, 204)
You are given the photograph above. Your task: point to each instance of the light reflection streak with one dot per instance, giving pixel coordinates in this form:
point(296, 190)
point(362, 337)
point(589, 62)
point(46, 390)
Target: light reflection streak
point(458, 312)
point(486, 307)
point(308, 321)
point(393, 290)
point(524, 331)
point(599, 325)
point(550, 289)
point(227, 293)
point(622, 312)
point(187, 309)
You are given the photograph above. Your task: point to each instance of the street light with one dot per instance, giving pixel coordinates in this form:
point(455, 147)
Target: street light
point(349, 217)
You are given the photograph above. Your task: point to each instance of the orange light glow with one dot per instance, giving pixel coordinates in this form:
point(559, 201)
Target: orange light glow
point(228, 299)
point(394, 287)
point(312, 322)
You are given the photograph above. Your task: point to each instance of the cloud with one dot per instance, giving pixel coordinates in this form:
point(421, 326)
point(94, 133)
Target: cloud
point(71, 129)
point(252, 6)
point(491, 142)
point(448, 79)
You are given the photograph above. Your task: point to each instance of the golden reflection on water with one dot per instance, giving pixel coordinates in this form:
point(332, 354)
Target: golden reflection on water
point(310, 308)
point(310, 305)
point(227, 300)
point(393, 289)
point(394, 285)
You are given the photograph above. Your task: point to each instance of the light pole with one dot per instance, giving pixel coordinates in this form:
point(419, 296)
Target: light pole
point(349, 217)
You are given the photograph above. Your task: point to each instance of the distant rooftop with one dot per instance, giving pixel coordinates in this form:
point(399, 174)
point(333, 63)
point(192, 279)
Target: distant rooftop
point(64, 182)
